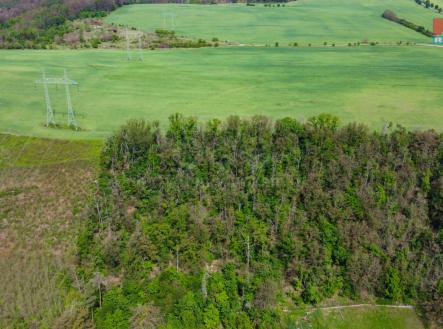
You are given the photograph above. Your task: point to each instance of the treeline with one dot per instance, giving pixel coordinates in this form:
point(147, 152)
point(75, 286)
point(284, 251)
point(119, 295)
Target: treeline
point(428, 4)
point(391, 16)
point(37, 23)
point(230, 224)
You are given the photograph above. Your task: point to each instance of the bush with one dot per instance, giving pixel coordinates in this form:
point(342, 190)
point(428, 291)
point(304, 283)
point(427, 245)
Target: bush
point(390, 15)
point(393, 285)
point(95, 43)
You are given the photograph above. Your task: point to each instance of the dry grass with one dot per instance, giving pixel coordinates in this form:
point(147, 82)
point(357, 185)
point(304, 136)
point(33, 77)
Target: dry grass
point(42, 194)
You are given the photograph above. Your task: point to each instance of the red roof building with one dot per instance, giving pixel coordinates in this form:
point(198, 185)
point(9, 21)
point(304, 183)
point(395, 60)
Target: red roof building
point(438, 26)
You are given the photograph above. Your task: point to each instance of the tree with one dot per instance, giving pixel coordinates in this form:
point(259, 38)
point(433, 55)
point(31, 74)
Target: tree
point(393, 285)
point(146, 317)
point(211, 317)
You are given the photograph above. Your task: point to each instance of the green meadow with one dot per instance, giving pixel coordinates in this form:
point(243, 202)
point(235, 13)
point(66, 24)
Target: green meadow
point(368, 84)
point(364, 318)
point(303, 21)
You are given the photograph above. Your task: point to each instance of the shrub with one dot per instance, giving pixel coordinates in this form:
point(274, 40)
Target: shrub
point(393, 285)
point(390, 15)
point(95, 43)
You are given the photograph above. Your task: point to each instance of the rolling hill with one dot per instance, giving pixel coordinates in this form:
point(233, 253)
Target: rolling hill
point(304, 21)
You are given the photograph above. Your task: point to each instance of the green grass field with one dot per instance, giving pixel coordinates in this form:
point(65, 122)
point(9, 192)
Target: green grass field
point(303, 21)
point(372, 85)
point(365, 318)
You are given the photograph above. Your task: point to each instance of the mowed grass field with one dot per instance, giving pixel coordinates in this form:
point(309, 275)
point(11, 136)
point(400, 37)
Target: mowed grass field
point(372, 85)
point(303, 21)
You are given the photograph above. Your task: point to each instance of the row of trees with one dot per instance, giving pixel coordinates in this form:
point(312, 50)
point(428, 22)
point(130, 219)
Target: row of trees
point(229, 224)
point(390, 15)
point(429, 4)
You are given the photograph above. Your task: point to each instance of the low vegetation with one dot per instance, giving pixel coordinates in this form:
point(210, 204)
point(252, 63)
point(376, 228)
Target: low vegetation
point(233, 224)
point(44, 185)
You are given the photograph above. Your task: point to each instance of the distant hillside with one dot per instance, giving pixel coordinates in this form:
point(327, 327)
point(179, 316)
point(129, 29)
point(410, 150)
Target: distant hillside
point(304, 21)
point(37, 23)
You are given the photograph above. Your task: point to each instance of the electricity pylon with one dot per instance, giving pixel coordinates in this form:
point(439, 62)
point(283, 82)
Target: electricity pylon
point(128, 46)
point(140, 53)
point(50, 119)
point(169, 20)
point(71, 116)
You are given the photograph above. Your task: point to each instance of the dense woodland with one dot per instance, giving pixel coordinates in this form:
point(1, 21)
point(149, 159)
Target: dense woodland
point(37, 23)
point(234, 224)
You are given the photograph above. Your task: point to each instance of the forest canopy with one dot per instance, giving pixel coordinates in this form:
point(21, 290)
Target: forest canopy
point(230, 224)
point(37, 23)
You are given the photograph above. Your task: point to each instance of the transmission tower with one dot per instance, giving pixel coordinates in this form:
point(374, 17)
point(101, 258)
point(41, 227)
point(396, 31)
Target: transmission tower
point(130, 35)
point(169, 21)
point(50, 120)
point(140, 53)
point(128, 46)
point(71, 115)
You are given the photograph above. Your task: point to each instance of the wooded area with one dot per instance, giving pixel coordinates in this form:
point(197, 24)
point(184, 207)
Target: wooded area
point(37, 23)
point(231, 224)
